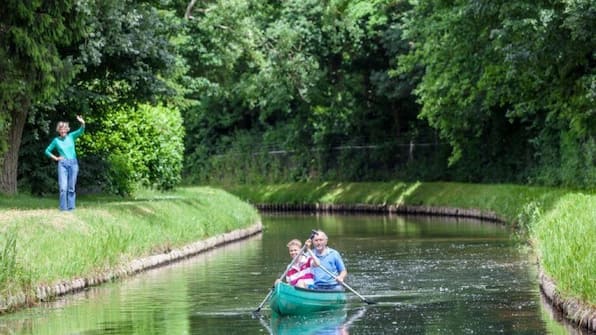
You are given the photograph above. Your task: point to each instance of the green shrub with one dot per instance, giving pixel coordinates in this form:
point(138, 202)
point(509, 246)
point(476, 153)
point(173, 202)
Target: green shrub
point(143, 147)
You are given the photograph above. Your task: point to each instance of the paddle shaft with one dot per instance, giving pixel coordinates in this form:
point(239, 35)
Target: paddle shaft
point(346, 285)
point(283, 275)
point(280, 278)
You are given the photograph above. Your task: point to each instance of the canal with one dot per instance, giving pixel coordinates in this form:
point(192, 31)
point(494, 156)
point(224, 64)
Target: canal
point(427, 275)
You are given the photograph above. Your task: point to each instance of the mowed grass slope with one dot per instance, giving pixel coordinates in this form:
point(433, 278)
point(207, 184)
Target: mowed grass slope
point(41, 245)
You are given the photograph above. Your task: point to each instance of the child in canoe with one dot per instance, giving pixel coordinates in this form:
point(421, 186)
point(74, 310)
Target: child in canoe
point(300, 273)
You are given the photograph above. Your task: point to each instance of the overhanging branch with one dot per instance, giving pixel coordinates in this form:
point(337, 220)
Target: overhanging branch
point(191, 4)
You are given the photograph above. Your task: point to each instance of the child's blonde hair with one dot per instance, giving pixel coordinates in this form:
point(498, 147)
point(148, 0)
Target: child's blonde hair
point(295, 242)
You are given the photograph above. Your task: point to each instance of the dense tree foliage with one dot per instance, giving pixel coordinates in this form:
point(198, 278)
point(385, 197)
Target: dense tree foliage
point(328, 92)
point(32, 67)
point(127, 58)
point(510, 84)
point(270, 91)
point(315, 78)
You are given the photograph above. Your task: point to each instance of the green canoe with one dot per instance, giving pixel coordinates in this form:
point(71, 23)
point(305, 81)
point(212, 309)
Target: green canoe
point(290, 300)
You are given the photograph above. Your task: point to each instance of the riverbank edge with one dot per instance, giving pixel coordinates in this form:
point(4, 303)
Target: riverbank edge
point(574, 311)
point(46, 292)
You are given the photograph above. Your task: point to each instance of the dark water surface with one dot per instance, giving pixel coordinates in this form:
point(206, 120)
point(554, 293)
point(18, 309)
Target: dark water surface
point(427, 275)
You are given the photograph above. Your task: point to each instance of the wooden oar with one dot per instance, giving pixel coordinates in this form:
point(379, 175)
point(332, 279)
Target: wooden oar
point(283, 275)
point(347, 286)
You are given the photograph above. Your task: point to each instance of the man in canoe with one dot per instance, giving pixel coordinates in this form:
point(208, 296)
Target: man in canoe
point(331, 260)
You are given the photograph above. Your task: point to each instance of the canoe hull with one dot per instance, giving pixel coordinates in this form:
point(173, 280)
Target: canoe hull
point(290, 300)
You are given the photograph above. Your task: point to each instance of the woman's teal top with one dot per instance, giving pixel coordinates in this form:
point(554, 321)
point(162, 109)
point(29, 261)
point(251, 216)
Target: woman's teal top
point(65, 145)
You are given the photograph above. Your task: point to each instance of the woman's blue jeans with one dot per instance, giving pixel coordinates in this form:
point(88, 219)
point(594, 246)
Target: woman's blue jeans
point(68, 170)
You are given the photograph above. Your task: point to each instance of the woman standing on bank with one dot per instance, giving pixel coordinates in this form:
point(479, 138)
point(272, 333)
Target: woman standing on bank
point(68, 165)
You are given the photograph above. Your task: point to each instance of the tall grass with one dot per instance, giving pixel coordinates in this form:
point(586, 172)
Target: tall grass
point(13, 276)
point(44, 246)
point(566, 243)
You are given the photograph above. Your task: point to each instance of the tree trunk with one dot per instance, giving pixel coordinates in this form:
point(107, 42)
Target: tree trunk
point(10, 162)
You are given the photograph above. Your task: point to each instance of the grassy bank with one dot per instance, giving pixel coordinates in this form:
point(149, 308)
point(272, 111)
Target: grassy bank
point(561, 222)
point(565, 238)
point(41, 245)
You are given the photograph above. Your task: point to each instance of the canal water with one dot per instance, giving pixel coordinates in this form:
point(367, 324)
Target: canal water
point(426, 275)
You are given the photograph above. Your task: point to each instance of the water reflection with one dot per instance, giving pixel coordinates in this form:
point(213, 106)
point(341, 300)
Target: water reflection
point(157, 302)
point(337, 322)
